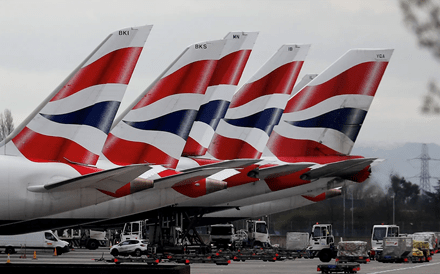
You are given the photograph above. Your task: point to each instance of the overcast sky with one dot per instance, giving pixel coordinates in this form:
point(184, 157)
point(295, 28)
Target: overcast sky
point(43, 41)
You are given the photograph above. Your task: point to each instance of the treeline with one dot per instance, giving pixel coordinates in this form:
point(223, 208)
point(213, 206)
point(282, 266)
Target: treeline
point(367, 204)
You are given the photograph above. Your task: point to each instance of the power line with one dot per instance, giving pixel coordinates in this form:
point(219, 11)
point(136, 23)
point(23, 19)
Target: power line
point(425, 177)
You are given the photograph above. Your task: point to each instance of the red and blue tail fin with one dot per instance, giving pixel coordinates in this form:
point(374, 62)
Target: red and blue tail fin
point(155, 127)
point(71, 125)
point(222, 87)
point(325, 117)
point(257, 107)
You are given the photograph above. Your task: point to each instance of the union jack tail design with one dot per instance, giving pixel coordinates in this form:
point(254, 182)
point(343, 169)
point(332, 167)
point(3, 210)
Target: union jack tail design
point(155, 127)
point(325, 117)
point(220, 91)
point(71, 125)
point(257, 107)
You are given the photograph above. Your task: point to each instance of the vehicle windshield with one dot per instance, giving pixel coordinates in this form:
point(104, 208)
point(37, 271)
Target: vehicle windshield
point(379, 233)
point(221, 230)
point(131, 228)
point(50, 236)
point(320, 231)
point(261, 228)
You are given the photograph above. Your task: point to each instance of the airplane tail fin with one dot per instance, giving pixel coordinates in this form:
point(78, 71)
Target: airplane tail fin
point(72, 124)
point(325, 117)
point(257, 107)
point(218, 96)
point(155, 127)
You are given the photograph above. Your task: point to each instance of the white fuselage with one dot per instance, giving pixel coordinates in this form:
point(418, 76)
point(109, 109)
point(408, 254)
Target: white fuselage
point(18, 203)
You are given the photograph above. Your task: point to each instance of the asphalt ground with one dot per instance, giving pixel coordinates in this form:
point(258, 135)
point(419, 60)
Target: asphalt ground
point(298, 266)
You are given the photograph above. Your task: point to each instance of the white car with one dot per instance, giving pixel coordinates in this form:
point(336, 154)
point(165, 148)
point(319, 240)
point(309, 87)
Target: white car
point(130, 247)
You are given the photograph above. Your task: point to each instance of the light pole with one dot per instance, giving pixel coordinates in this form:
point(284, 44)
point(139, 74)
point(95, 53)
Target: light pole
point(343, 203)
point(352, 210)
point(394, 215)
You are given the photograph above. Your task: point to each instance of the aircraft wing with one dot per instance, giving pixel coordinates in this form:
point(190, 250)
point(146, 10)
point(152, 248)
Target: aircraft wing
point(341, 169)
point(110, 179)
point(236, 163)
point(185, 177)
point(279, 170)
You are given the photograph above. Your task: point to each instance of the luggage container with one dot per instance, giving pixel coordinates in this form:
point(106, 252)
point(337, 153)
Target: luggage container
point(396, 249)
point(352, 251)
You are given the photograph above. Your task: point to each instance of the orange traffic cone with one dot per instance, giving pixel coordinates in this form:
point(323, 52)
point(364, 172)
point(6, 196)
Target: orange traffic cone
point(35, 255)
point(8, 261)
point(55, 252)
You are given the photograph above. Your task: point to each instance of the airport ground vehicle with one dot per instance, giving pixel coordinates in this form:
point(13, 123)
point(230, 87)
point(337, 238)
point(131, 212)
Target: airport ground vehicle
point(130, 247)
point(322, 243)
point(37, 240)
point(377, 234)
point(222, 236)
point(339, 267)
point(91, 239)
point(134, 230)
point(256, 234)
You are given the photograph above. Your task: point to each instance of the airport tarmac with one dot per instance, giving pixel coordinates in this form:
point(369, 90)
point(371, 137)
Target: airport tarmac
point(298, 266)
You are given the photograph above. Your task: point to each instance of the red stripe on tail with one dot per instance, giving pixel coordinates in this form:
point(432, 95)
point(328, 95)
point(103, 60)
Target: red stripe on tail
point(230, 68)
point(345, 83)
point(193, 78)
point(279, 81)
point(236, 149)
point(115, 68)
point(122, 152)
point(42, 148)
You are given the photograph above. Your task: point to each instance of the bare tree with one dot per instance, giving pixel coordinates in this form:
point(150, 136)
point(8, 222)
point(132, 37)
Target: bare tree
point(6, 124)
point(423, 18)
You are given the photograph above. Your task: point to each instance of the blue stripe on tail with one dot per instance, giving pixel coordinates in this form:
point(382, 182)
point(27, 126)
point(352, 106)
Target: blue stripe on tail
point(346, 120)
point(178, 123)
point(264, 120)
point(90, 116)
point(212, 112)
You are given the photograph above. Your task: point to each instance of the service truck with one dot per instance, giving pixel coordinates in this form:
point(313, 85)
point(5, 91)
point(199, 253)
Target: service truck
point(377, 234)
point(37, 240)
point(322, 243)
point(90, 239)
point(222, 236)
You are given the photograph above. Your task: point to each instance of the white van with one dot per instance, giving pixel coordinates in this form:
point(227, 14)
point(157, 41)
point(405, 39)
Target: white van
point(37, 240)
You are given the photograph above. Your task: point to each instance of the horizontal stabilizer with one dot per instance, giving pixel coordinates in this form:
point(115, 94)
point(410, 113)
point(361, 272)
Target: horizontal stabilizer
point(342, 169)
point(237, 163)
point(185, 178)
point(278, 171)
point(109, 180)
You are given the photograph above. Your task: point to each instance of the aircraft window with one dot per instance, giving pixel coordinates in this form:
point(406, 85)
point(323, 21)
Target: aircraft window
point(379, 233)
